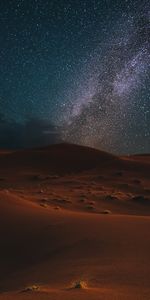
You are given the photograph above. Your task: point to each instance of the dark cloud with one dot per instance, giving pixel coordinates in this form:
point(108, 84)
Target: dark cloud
point(33, 133)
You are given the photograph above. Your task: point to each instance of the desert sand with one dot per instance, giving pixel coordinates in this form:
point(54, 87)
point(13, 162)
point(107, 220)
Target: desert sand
point(74, 224)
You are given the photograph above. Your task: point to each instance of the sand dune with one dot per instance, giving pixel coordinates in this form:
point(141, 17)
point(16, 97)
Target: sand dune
point(74, 224)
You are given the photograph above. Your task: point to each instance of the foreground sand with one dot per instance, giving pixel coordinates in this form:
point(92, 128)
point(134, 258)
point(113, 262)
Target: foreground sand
point(83, 218)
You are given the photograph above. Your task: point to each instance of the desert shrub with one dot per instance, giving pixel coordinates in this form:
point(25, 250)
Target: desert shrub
point(79, 285)
point(31, 288)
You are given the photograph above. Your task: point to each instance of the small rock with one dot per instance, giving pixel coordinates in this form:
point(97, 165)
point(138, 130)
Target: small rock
point(110, 198)
point(91, 202)
point(57, 207)
point(90, 207)
point(41, 191)
point(43, 205)
point(106, 212)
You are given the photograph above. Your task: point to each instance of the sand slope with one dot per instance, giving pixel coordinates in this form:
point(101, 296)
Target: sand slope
point(70, 214)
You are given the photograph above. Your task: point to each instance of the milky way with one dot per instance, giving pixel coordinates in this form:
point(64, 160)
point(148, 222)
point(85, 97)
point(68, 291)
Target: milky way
point(116, 76)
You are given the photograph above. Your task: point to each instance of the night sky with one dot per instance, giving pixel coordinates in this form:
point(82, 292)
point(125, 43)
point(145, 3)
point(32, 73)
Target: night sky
point(79, 68)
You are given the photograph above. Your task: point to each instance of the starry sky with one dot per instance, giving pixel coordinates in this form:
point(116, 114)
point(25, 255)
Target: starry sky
point(77, 67)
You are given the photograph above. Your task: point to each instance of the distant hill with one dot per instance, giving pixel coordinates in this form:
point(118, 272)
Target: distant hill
point(59, 157)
